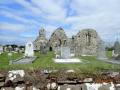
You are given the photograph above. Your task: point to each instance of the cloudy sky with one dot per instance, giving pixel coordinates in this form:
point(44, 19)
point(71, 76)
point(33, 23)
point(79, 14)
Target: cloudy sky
point(20, 20)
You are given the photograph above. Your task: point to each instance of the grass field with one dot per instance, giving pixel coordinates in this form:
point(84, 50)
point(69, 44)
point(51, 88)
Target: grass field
point(46, 62)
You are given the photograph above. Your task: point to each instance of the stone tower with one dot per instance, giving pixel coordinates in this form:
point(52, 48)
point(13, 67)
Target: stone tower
point(41, 39)
point(42, 33)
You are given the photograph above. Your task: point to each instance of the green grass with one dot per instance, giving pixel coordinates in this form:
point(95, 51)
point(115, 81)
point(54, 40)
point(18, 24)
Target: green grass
point(46, 62)
point(109, 54)
point(4, 59)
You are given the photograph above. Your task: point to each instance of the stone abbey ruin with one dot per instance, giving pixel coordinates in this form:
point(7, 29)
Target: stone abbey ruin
point(85, 42)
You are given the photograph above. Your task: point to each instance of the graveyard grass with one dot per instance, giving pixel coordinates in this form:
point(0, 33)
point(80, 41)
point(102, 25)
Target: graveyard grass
point(46, 62)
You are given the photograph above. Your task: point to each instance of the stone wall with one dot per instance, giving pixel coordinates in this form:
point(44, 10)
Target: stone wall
point(86, 42)
point(58, 38)
point(58, 80)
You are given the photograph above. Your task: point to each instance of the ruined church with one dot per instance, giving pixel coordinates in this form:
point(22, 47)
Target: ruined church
point(85, 42)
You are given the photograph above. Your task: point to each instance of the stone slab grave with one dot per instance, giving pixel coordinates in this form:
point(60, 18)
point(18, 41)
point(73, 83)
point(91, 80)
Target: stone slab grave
point(29, 55)
point(26, 60)
point(65, 56)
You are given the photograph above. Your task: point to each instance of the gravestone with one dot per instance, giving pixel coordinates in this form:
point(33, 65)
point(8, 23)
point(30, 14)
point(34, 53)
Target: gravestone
point(117, 47)
point(5, 48)
point(58, 52)
point(65, 52)
point(10, 57)
point(1, 49)
point(29, 55)
point(101, 53)
point(29, 49)
point(116, 51)
point(16, 49)
point(63, 55)
point(10, 48)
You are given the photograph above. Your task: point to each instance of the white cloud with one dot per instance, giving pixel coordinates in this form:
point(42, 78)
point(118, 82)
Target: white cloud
point(102, 15)
point(29, 6)
point(12, 27)
point(15, 16)
point(51, 9)
point(47, 9)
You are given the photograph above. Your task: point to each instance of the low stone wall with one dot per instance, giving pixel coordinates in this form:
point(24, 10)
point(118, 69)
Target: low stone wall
point(45, 80)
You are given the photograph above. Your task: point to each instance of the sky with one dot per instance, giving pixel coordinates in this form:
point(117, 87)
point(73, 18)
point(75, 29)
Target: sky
point(21, 20)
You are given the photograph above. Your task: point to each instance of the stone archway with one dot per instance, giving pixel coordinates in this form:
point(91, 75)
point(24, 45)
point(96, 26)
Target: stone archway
point(50, 48)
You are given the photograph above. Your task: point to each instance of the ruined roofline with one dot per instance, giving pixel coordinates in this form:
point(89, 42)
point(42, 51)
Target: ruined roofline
point(87, 29)
point(61, 29)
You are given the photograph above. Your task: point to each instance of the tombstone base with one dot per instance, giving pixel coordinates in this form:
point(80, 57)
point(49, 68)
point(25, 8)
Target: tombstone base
point(24, 60)
point(102, 58)
point(73, 60)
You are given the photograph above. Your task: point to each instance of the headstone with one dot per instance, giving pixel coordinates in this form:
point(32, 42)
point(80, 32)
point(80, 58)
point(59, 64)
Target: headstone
point(10, 57)
point(1, 49)
point(5, 49)
point(57, 52)
point(10, 48)
point(117, 48)
point(116, 51)
point(17, 49)
point(65, 52)
point(63, 55)
point(29, 49)
point(113, 53)
point(23, 49)
point(101, 52)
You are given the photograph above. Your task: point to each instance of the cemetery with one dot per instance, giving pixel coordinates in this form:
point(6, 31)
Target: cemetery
point(60, 50)
point(61, 63)
point(59, 45)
